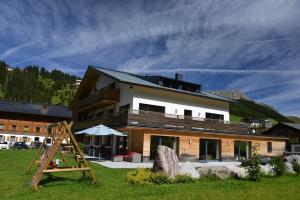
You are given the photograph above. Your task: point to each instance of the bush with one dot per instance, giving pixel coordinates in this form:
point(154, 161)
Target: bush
point(146, 176)
point(278, 166)
point(159, 178)
point(184, 179)
point(296, 166)
point(254, 169)
point(139, 176)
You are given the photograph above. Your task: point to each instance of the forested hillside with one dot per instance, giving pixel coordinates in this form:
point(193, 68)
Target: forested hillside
point(35, 84)
point(247, 108)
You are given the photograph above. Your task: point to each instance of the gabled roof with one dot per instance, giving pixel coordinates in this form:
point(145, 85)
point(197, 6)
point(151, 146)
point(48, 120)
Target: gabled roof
point(126, 77)
point(35, 109)
point(293, 125)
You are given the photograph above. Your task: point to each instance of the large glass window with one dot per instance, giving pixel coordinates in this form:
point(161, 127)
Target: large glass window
point(242, 150)
point(210, 149)
point(214, 116)
point(1, 126)
point(1, 138)
point(172, 142)
point(153, 108)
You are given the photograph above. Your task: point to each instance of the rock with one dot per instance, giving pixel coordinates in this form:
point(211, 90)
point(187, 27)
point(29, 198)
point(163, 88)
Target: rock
point(167, 161)
point(289, 168)
point(267, 169)
point(238, 172)
point(291, 158)
point(223, 172)
point(188, 169)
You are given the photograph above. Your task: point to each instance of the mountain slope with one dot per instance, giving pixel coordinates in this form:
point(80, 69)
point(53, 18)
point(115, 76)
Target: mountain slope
point(294, 119)
point(248, 108)
point(37, 85)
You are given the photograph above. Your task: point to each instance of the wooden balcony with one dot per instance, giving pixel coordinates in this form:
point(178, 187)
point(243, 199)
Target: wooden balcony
point(167, 121)
point(104, 97)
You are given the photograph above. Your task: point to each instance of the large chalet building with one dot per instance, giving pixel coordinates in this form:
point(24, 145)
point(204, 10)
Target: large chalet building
point(27, 122)
point(156, 110)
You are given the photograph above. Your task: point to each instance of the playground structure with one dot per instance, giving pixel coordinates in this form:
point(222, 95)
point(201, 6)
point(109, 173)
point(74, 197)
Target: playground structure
point(45, 155)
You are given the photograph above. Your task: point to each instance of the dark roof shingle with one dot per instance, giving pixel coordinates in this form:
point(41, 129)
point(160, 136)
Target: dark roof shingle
point(35, 109)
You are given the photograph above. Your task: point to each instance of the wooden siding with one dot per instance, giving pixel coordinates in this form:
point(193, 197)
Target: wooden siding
point(189, 143)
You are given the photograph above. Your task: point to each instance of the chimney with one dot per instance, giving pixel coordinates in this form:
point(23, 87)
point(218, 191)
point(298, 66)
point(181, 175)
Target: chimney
point(178, 76)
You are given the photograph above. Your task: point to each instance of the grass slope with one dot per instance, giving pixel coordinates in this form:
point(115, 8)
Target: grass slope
point(294, 119)
point(246, 108)
point(15, 184)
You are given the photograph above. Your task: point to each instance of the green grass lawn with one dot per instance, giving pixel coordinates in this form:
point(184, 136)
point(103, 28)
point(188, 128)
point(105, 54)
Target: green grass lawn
point(15, 184)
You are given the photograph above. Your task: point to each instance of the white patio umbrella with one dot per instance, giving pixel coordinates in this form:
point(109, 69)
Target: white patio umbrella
point(100, 130)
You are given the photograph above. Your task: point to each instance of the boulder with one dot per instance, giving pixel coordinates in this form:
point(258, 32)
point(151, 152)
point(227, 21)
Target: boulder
point(223, 172)
point(267, 169)
point(238, 172)
point(166, 160)
point(291, 158)
point(289, 168)
point(188, 169)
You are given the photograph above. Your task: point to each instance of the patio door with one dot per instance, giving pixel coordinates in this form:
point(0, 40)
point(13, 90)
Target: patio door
point(172, 142)
point(242, 150)
point(210, 150)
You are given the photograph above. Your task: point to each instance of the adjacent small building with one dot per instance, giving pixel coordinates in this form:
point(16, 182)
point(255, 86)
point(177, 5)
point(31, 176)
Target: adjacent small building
point(290, 130)
point(158, 110)
point(27, 122)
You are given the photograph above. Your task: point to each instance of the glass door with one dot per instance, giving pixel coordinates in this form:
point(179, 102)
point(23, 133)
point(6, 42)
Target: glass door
point(242, 150)
point(210, 149)
point(172, 142)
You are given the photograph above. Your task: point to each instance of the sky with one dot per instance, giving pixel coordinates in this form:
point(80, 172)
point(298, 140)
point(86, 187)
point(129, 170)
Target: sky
point(252, 45)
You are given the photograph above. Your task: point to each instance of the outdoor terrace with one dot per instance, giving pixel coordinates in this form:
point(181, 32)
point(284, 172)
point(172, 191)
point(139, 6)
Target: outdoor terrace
point(150, 119)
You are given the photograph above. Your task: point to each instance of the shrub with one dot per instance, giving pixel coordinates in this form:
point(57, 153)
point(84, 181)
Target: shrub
point(278, 166)
point(254, 169)
point(296, 166)
point(159, 178)
point(139, 176)
point(184, 179)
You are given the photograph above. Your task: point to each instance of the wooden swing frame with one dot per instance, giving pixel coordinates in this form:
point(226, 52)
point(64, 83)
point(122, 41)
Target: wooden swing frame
point(58, 132)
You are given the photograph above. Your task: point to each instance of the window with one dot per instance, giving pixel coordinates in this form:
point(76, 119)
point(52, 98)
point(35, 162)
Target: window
point(153, 108)
point(99, 115)
point(124, 109)
point(214, 116)
point(26, 128)
point(1, 126)
point(13, 127)
point(269, 147)
point(24, 139)
point(13, 138)
point(37, 129)
point(1, 138)
point(110, 112)
point(188, 113)
point(36, 139)
point(48, 140)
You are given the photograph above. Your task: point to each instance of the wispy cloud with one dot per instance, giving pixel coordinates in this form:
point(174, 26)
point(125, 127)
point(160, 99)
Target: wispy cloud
point(251, 45)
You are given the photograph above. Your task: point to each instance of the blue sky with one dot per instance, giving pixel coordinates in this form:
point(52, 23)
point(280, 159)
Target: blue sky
point(228, 44)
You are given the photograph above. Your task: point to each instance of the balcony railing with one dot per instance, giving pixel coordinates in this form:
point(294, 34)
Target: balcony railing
point(167, 121)
point(106, 95)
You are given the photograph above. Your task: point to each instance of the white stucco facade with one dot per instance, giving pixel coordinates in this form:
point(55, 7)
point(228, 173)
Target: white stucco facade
point(174, 103)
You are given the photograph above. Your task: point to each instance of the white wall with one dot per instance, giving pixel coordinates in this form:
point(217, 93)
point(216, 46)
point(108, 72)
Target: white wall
point(134, 95)
point(126, 93)
point(104, 81)
point(175, 101)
